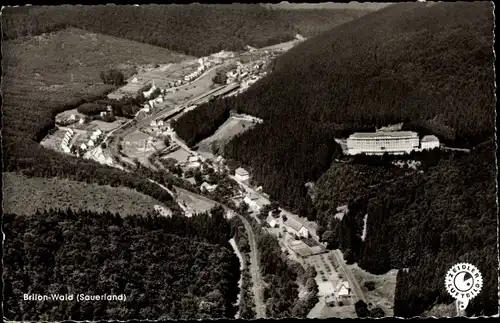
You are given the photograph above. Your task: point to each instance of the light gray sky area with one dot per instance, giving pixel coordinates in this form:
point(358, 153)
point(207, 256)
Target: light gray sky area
point(327, 5)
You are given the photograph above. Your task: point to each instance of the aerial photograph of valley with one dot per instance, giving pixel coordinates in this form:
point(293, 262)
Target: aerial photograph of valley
point(249, 161)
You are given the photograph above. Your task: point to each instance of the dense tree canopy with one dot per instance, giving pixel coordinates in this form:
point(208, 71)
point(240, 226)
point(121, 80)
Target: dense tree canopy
point(426, 220)
point(168, 268)
point(195, 29)
point(430, 67)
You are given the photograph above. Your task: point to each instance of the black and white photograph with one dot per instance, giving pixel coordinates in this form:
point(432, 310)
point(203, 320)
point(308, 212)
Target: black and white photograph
point(242, 161)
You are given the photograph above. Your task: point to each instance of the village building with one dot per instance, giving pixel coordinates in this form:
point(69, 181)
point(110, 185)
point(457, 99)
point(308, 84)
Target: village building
point(254, 202)
point(83, 146)
point(66, 149)
point(148, 93)
point(207, 187)
point(154, 124)
point(241, 174)
point(342, 290)
point(272, 221)
point(295, 228)
point(90, 143)
point(378, 143)
point(429, 142)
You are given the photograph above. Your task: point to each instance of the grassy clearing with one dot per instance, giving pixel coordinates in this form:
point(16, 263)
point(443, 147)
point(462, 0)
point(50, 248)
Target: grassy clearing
point(385, 286)
point(195, 203)
point(45, 74)
point(228, 130)
point(24, 196)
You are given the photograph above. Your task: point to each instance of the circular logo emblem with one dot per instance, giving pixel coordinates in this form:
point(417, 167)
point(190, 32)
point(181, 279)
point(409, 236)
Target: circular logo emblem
point(463, 282)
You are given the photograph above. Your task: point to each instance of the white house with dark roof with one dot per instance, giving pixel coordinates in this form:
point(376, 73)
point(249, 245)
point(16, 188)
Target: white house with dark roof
point(296, 228)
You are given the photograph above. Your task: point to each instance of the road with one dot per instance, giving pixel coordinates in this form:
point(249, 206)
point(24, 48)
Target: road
point(353, 283)
point(257, 285)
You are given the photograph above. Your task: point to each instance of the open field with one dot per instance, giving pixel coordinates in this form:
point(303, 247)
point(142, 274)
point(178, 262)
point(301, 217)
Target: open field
point(229, 129)
point(180, 154)
point(160, 75)
point(83, 56)
point(385, 286)
point(23, 195)
point(442, 310)
point(193, 202)
point(55, 71)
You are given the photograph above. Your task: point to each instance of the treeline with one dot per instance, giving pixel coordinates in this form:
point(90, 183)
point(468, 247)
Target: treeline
point(430, 67)
point(178, 27)
point(247, 304)
point(201, 122)
point(164, 276)
point(281, 276)
point(426, 220)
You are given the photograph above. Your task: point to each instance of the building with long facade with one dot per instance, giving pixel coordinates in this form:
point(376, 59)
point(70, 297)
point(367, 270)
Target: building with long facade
point(391, 142)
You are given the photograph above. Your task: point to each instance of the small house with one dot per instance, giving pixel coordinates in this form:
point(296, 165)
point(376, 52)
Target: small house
point(207, 187)
point(90, 143)
point(253, 202)
point(272, 221)
point(296, 228)
point(241, 174)
point(83, 146)
point(342, 289)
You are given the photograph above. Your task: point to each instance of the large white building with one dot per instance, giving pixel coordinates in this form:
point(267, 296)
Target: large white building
point(392, 142)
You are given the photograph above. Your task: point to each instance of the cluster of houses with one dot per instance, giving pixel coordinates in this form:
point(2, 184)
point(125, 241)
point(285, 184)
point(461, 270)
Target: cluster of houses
point(94, 137)
point(244, 70)
point(291, 226)
point(65, 144)
point(204, 64)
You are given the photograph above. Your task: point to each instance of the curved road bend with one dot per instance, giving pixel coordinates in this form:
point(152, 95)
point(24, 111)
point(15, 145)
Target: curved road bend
point(257, 282)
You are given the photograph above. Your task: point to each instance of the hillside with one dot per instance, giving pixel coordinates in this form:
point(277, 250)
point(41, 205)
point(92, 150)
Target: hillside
point(47, 74)
point(166, 268)
point(430, 67)
point(192, 29)
point(23, 196)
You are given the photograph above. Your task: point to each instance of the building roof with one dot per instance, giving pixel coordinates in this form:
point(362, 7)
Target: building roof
point(271, 218)
point(294, 224)
point(429, 138)
point(252, 196)
point(241, 171)
point(391, 134)
point(342, 284)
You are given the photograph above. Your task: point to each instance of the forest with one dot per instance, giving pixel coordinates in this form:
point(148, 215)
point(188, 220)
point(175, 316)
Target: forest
point(168, 268)
point(178, 27)
point(425, 220)
point(429, 67)
point(282, 276)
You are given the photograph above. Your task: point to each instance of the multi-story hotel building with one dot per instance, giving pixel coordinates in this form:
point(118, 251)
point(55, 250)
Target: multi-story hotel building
point(378, 143)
